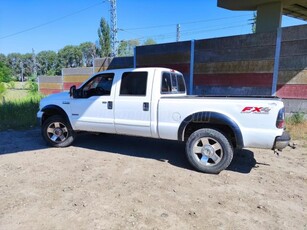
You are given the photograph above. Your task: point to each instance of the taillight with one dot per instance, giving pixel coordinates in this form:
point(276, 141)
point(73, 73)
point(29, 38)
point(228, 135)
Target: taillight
point(280, 122)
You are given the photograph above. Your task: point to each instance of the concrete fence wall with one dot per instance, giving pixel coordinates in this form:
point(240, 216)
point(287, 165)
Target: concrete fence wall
point(76, 76)
point(50, 84)
point(292, 75)
point(172, 55)
point(101, 64)
point(237, 65)
point(253, 64)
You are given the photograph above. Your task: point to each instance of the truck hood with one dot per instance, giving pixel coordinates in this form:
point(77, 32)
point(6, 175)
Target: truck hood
point(58, 96)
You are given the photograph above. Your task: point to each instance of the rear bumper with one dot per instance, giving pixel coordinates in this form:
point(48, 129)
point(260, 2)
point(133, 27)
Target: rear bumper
point(282, 141)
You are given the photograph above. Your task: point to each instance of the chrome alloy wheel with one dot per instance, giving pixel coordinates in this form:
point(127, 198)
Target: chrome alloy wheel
point(57, 132)
point(208, 151)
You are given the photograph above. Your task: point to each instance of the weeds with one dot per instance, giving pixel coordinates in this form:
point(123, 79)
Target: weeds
point(11, 85)
point(296, 118)
point(32, 85)
point(19, 114)
point(297, 126)
point(2, 89)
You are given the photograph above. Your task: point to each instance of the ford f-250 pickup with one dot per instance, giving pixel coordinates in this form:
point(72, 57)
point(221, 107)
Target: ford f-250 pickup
point(152, 102)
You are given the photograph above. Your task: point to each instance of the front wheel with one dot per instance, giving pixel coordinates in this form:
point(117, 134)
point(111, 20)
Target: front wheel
point(57, 132)
point(209, 151)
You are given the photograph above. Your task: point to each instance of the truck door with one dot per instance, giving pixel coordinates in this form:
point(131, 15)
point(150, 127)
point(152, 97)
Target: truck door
point(133, 104)
point(92, 108)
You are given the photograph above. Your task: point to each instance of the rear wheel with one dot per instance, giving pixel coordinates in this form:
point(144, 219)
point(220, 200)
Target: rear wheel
point(209, 151)
point(57, 132)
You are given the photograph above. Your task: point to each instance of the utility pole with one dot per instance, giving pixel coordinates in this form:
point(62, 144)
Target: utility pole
point(178, 33)
point(113, 28)
point(34, 64)
point(22, 70)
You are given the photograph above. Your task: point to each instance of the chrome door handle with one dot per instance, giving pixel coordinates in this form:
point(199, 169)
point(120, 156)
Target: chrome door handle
point(145, 106)
point(110, 105)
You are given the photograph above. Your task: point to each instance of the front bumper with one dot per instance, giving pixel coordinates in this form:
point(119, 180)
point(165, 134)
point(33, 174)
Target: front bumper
point(39, 117)
point(282, 141)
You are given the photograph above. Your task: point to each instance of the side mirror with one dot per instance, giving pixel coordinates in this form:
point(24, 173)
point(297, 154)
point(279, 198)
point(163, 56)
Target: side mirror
point(72, 91)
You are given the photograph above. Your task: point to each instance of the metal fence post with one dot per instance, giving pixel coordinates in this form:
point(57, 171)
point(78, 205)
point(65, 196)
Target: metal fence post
point(134, 57)
point(276, 61)
point(192, 67)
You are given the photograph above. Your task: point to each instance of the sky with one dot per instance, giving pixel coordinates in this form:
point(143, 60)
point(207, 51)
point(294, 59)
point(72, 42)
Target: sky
point(52, 24)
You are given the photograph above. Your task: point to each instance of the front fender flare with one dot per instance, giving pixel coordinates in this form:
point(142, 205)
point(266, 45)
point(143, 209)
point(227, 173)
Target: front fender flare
point(54, 109)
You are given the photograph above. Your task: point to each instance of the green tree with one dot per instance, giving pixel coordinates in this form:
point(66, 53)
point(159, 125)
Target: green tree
point(126, 48)
point(149, 41)
point(254, 24)
point(70, 57)
point(122, 49)
point(5, 73)
point(14, 60)
point(3, 59)
point(27, 64)
point(47, 63)
point(104, 38)
point(88, 50)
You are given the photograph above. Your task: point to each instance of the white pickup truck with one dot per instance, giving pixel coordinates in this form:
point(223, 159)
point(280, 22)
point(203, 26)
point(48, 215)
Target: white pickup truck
point(152, 102)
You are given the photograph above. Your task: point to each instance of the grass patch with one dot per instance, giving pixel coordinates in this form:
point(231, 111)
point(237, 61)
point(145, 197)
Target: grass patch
point(18, 107)
point(296, 118)
point(15, 94)
point(297, 126)
point(20, 85)
point(19, 113)
point(298, 131)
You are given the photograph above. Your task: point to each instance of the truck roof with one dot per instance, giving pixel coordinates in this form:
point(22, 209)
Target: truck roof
point(138, 69)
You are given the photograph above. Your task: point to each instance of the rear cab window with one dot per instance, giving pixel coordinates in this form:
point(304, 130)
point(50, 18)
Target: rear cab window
point(172, 83)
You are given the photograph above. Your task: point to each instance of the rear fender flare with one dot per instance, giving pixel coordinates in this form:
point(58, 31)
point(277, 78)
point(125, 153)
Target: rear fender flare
point(212, 118)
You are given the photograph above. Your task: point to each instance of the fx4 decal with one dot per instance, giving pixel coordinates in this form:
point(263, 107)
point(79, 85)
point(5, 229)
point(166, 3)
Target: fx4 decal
point(256, 110)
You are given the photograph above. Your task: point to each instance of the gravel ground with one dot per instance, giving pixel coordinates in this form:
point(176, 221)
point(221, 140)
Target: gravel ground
point(120, 182)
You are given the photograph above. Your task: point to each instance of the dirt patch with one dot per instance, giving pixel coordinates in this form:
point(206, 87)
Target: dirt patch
point(119, 182)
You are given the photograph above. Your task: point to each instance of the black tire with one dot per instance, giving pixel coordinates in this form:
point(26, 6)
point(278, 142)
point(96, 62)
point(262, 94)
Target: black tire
point(57, 132)
point(209, 151)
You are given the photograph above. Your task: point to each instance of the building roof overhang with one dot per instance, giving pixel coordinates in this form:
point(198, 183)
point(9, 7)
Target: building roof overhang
point(291, 8)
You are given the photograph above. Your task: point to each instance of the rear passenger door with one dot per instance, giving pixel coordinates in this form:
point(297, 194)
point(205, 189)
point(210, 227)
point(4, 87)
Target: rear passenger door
point(133, 104)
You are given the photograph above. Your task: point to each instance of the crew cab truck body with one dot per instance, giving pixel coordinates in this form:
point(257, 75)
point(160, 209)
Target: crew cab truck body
point(152, 102)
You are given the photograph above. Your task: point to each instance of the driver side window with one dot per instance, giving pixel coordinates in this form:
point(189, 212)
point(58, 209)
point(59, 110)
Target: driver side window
point(99, 85)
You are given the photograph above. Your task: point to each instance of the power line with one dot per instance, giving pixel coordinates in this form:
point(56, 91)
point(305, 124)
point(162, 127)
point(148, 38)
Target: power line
point(194, 30)
point(189, 32)
point(50, 22)
point(222, 28)
point(186, 23)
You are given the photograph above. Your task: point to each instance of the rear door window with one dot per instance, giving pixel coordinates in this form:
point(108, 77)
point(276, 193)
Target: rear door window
point(133, 84)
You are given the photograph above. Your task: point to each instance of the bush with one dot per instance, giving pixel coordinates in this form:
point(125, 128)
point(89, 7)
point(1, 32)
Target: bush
point(32, 86)
point(296, 118)
point(5, 73)
point(2, 89)
point(11, 85)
